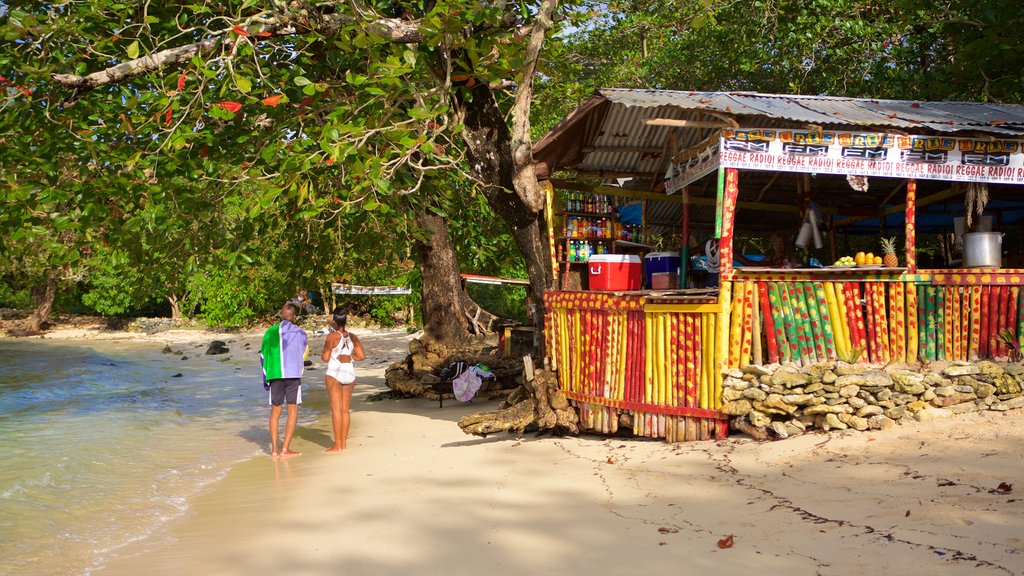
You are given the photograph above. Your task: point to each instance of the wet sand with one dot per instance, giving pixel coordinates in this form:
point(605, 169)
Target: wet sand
point(414, 495)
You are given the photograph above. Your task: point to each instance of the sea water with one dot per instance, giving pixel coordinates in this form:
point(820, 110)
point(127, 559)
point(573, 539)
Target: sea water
point(102, 444)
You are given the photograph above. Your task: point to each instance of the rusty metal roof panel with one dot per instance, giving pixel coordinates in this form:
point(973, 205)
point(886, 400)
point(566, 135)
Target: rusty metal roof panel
point(1003, 119)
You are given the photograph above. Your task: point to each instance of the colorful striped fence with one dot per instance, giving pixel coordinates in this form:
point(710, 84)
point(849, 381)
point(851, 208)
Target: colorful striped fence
point(612, 356)
point(662, 361)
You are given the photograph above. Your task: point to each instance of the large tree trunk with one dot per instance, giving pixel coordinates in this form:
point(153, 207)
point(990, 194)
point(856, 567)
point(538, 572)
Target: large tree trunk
point(449, 314)
point(517, 201)
point(44, 298)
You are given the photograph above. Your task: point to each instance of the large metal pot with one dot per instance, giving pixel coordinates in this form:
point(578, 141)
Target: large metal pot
point(983, 250)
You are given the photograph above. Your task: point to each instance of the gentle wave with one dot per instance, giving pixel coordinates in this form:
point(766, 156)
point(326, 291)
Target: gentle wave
point(103, 444)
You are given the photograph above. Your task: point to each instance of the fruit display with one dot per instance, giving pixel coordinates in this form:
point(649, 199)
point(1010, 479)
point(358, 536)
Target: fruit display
point(868, 259)
point(845, 261)
point(889, 259)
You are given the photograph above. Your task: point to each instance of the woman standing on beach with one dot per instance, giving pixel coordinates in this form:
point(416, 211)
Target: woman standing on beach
point(341, 349)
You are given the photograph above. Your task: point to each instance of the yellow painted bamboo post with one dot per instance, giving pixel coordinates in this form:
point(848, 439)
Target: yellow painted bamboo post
point(897, 329)
point(755, 317)
point(887, 315)
point(577, 350)
point(836, 317)
point(953, 302)
point(549, 216)
point(659, 350)
point(845, 312)
point(975, 334)
point(951, 322)
point(965, 322)
point(736, 325)
point(648, 358)
point(747, 328)
point(910, 295)
point(721, 343)
point(707, 359)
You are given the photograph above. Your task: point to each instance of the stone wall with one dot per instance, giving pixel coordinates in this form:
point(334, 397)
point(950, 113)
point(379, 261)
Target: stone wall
point(781, 401)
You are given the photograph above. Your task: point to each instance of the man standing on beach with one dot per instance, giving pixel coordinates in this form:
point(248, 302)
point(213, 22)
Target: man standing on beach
point(282, 356)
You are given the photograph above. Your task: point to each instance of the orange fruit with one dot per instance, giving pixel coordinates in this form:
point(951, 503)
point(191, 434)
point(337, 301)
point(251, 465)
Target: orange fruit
point(878, 260)
point(859, 259)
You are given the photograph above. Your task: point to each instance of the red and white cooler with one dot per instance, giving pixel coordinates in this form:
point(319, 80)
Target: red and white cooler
point(615, 272)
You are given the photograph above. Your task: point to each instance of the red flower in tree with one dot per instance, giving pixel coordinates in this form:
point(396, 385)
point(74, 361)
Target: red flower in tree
point(229, 106)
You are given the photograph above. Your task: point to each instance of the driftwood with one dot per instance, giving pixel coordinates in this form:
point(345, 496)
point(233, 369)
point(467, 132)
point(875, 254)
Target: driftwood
point(537, 403)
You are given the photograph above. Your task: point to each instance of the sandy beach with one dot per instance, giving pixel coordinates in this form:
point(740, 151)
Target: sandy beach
point(414, 495)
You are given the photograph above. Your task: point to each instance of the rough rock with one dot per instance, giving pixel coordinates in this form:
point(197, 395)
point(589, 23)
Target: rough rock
point(955, 398)
point(832, 421)
point(858, 423)
point(779, 428)
point(730, 394)
point(929, 414)
point(880, 422)
point(217, 347)
point(849, 391)
point(945, 391)
point(960, 370)
point(737, 408)
point(758, 370)
point(844, 369)
point(790, 379)
point(759, 419)
point(869, 411)
point(866, 379)
point(755, 394)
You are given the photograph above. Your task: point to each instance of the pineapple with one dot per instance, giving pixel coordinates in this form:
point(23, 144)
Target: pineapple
point(889, 259)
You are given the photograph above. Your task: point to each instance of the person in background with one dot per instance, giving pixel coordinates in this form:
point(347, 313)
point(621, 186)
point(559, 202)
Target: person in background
point(282, 356)
point(304, 302)
point(341, 349)
point(781, 256)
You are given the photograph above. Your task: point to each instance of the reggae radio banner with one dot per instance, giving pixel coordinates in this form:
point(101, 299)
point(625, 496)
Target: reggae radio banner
point(873, 154)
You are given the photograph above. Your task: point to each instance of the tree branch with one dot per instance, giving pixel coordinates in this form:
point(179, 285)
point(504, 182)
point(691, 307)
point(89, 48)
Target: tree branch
point(391, 29)
point(525, 178)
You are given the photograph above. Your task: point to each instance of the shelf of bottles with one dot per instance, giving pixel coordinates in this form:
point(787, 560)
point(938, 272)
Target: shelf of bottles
point(592, 226)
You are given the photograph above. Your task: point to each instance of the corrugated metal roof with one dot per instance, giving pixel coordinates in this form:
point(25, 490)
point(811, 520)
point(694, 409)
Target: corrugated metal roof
point(999, 119)
point(607, 139)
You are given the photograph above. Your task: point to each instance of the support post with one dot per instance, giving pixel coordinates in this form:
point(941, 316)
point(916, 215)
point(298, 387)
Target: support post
point(549, 212)
point(684, 250)
point(910, 228)
point(727, 224)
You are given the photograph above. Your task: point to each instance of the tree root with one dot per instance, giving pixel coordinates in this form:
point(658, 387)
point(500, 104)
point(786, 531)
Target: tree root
point(538, 403)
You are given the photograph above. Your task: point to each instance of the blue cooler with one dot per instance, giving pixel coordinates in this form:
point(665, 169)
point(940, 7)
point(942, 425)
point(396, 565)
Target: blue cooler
point(661, 270)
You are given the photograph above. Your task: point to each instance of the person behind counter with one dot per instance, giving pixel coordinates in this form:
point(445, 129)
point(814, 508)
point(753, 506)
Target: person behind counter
point(781, 256)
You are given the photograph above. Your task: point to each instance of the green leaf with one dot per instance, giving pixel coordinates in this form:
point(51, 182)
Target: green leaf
point(243, 84)
point(133, 50)
point(301, 81)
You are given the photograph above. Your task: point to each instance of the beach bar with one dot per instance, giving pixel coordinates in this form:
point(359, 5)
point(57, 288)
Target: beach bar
point(712, 175)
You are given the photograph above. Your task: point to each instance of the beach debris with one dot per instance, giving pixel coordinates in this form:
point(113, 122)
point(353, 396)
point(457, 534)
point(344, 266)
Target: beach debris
point(1002, 489)
point(217, 347)
point(726, 542)
point(167, 350)
point(421, 373)
point(178, 375)
point(668, 530)
point(537, 404)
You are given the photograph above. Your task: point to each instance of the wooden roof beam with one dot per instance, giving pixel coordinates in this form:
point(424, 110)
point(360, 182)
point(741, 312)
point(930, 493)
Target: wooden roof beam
point(676, 198)
point(676, 123)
